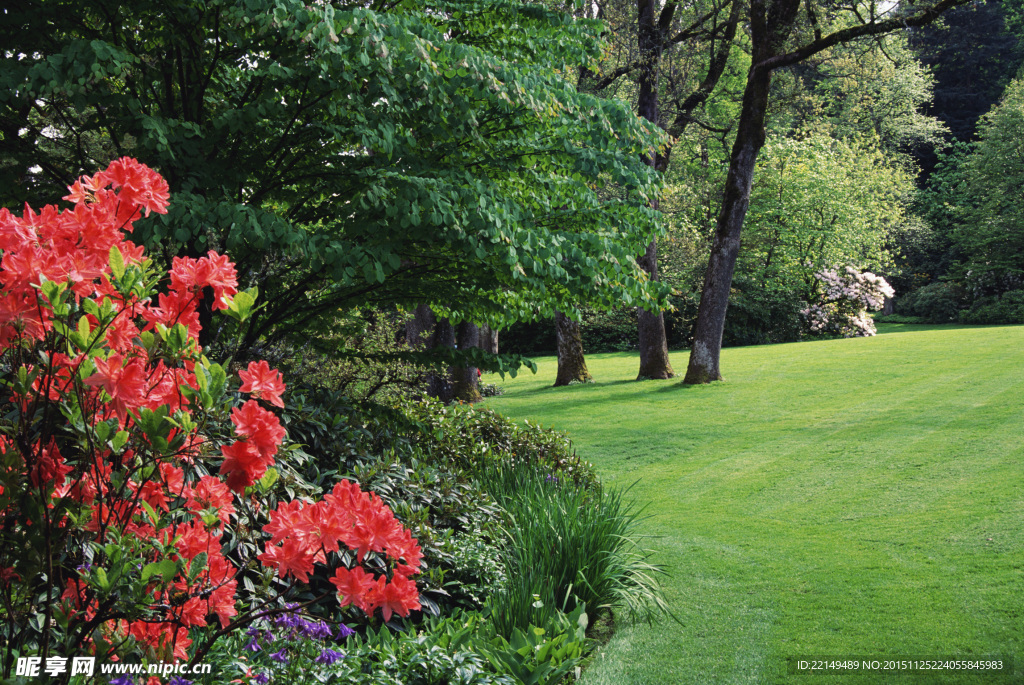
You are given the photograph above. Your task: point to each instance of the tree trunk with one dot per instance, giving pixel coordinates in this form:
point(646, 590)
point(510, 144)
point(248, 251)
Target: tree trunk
point(572, 366)
point(714, 299)
point(439, 385)
point(653, 345)
point(489, 339)
point(704, 365)
point(425, 331)
point(465, 383)
point(654, 362)
point(420, 328)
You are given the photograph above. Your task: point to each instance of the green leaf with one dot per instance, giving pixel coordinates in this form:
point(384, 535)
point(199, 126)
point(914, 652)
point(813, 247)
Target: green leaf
point(120, 438)
point(166, 569)
point(116, 262)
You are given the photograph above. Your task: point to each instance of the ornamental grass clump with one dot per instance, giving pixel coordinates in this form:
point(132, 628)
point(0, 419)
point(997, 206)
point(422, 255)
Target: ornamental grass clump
point(565, 545)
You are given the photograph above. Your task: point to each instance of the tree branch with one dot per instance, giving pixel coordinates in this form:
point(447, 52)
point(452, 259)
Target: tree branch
point(846, 35)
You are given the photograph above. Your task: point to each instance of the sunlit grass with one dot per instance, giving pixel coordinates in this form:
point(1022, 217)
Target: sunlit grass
point(850, 497)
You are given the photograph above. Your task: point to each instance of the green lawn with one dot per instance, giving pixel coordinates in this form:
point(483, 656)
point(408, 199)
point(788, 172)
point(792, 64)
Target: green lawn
point(842, 498)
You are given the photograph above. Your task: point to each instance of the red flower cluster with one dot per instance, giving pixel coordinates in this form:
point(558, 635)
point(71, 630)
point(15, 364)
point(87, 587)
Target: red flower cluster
point(82, 357)
point(261, 381)
point(72, 246)
point(302, 535)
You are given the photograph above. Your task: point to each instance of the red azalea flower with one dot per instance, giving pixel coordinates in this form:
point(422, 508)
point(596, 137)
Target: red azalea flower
point(260, 426)
point(263, 382)
point(243, 465)
point(125, 383)
point(398, 596)
point(355, 587)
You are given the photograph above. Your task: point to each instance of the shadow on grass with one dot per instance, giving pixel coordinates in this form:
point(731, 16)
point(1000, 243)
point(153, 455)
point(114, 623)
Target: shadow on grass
point(887, 328)
point(551, 387)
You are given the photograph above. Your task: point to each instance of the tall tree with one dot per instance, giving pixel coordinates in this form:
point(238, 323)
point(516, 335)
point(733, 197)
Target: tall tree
point(973, 52)
point(989, 230)
point(776, 42)
point(662, 29)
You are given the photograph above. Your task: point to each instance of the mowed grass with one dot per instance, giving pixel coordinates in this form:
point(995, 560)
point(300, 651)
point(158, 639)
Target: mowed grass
point(847, 498)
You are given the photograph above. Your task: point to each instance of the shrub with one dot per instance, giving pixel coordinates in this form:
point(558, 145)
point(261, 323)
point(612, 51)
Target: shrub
point(491, 390)
point(288, 647)
point(462, 649)
point(842, 306)
point(938, 302)
point(899, 318)
point(1007, 308)
point(116, 536)
point(468, 438)
point(758, 316)
point(610, 331)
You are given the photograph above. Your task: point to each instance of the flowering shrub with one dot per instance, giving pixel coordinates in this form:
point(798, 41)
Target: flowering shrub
point(120, 480)
point(845, 300)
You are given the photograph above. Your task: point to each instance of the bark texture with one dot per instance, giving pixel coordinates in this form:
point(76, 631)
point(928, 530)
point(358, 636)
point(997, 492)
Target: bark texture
point(420, 327)
point(653, 344)
point(465, 381)
point(426, 331)
point(714, 299)
point(654, 362)
point(489, 339)
point(572, 366)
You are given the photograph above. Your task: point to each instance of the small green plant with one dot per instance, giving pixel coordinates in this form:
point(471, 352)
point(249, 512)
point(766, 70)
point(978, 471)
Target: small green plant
point(565, 545)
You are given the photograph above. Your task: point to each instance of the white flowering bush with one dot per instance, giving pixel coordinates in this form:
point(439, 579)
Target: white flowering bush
point(845, 298)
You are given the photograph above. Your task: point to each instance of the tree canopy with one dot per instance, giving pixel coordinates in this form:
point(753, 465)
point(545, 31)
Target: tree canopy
point(343, 154)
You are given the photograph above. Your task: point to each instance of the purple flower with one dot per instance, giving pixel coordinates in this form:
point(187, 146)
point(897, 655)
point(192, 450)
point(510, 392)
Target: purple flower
point(178, 680)
point(122, 680)
point(253, 645)
point(328, 657)
point(280, 657)
point(262, 678)
point(288, 620)
point(316, 630)
point(344, 632)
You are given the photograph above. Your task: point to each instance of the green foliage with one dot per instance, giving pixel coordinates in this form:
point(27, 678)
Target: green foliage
point(466, 649)
point(609, 331)
point(470, 438)
point(360, 354)
point(549, 653)
point(878, 90)
point(427, 152)
point(897, 318)
point(990, 230)
point(996, 309)
point(451, 651)
point(938, 302)
point(565, 546)
point(759, 315)
point(818, 202)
